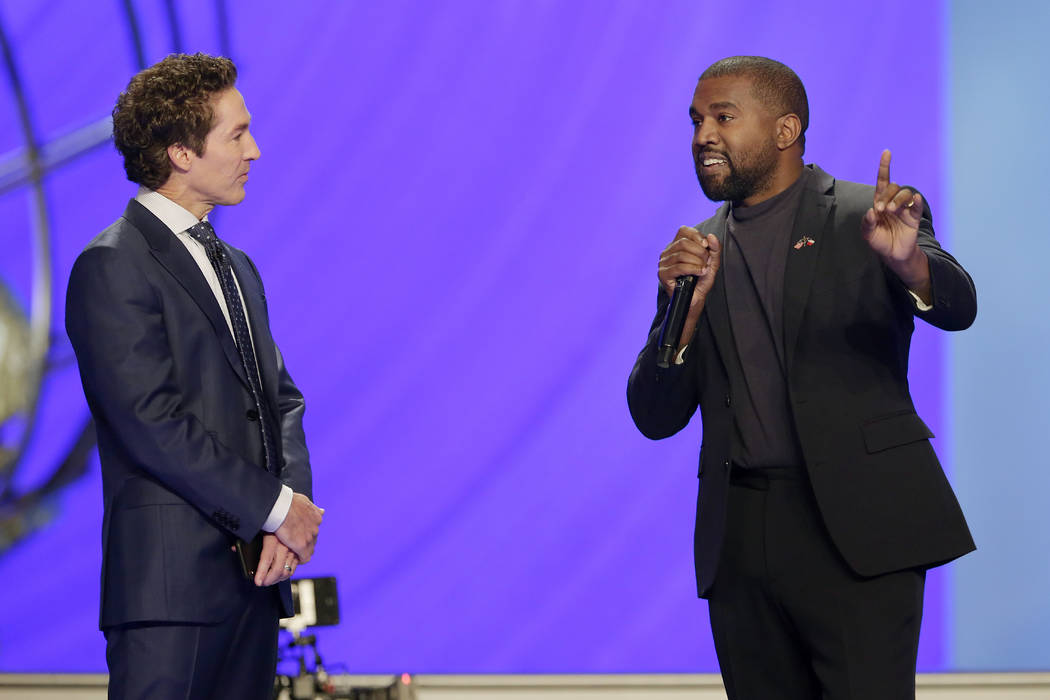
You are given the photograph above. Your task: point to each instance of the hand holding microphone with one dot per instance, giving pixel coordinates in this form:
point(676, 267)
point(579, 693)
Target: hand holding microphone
point(687, 272)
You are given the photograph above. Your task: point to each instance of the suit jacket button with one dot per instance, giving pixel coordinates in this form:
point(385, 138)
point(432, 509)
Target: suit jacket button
point(252, 414)
point(728, 401)
point(726, 464)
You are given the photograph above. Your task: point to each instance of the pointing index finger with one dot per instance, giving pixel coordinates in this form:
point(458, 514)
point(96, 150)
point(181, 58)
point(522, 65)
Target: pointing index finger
point(883, 179)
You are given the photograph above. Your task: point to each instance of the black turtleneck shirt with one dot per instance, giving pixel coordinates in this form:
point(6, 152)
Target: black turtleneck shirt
point(757, 246)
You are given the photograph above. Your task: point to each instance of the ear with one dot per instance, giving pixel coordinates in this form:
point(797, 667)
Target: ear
point(789, 128)
point(180, 156)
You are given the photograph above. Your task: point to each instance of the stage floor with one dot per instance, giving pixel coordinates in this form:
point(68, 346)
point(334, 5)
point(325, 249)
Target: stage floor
point(936, 686)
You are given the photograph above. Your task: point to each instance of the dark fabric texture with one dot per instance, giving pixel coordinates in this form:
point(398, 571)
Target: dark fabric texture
point(204, 233)
point(790, 620)
point(184, 465)
point(848, 320)
point(754, 261)
point(234, 659)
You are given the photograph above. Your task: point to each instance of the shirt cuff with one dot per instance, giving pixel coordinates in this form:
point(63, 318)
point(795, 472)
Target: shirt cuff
point(679, 358)
point(919, 303)
point(279, 510)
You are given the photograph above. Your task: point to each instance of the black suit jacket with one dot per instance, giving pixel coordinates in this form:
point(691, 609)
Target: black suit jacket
point(178, 431)
point(848, 322)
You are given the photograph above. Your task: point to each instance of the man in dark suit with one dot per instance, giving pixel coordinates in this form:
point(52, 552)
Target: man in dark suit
point(821, 502)
point(199, 424)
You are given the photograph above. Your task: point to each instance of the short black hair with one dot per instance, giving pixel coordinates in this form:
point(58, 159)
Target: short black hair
point(774, 84)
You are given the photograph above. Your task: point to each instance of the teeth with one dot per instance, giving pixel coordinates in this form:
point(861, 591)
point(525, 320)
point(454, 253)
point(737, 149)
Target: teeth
point(713, 161)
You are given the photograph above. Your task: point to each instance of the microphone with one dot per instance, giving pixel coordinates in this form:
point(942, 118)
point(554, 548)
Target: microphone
point(674, 321)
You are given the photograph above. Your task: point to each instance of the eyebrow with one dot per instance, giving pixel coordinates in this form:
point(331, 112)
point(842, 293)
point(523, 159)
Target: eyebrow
point(714, 106)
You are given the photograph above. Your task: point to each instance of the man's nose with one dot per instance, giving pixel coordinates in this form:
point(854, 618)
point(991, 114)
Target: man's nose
point(253, 150)
point(705, 134)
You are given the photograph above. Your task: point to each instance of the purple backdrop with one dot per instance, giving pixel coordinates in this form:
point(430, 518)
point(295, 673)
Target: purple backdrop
point(457, 215)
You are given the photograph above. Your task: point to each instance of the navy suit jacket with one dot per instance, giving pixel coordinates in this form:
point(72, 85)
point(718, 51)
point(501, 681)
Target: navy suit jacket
point(848, 322)
point(178, 432)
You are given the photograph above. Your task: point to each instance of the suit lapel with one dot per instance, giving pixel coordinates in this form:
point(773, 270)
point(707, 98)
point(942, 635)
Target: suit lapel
point(174, 257)
point(716, 305)
point(811, 238)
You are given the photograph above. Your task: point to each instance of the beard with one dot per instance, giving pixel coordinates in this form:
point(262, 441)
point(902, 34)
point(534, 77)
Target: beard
point(753, 174)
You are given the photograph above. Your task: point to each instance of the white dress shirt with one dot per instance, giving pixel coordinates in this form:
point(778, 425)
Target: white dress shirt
point(178, 219)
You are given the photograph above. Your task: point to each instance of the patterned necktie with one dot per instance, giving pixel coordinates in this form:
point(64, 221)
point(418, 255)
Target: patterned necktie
point(205, 234)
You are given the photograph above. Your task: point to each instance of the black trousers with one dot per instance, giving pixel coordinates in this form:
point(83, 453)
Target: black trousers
point(790, 619)
point(235, 659)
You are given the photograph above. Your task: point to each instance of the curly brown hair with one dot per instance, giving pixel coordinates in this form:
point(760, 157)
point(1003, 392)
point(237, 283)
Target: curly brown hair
point(165, 104)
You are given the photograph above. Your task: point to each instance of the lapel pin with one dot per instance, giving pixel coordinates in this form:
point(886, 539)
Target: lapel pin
point(803, 242)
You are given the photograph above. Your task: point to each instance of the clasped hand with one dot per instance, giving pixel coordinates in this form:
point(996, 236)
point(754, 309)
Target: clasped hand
point(299, 530)
point(292, 544)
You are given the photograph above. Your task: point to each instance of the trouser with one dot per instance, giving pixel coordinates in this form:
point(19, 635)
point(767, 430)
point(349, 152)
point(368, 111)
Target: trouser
point(789, 617)
point(231, 660)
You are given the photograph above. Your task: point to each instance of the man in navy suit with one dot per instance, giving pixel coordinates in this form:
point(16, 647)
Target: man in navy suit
point(199, 424)
point(821, 502)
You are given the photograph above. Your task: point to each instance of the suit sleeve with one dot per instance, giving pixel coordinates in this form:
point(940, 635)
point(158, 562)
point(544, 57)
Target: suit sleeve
point(114, 319)
point(662, 400)
point(295, 458)
point(954, 293)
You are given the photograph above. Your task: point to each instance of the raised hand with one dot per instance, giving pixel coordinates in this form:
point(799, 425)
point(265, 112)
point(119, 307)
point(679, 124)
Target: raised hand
point(891, 228)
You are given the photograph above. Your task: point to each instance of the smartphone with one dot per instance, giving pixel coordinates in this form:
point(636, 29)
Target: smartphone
point(249, 554)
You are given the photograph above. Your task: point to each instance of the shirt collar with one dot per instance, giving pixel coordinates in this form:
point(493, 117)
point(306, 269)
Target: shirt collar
point(172, 215)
